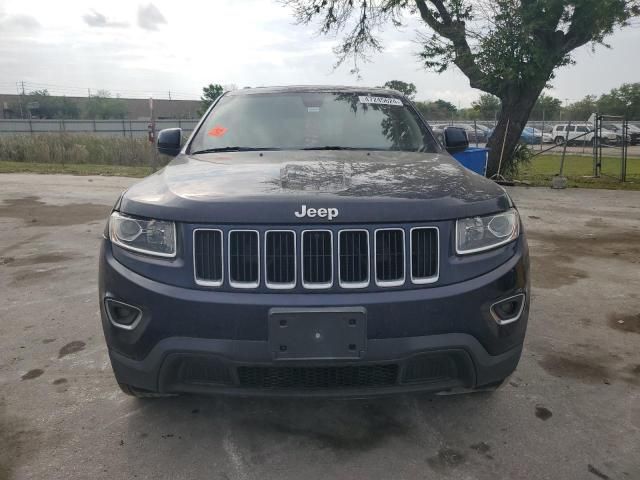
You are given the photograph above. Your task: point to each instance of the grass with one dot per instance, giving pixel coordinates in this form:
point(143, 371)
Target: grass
point(74, 169)
point(78, 148)
point(579, 170)
point(86, 154)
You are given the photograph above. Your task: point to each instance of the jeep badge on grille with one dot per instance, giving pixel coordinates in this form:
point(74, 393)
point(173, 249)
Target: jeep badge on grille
point(328, 213)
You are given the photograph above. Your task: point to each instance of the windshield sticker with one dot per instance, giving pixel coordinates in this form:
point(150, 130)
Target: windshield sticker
point(380, 100)
point(217, 131)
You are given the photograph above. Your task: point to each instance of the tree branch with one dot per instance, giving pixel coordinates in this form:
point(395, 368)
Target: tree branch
point(454, 31)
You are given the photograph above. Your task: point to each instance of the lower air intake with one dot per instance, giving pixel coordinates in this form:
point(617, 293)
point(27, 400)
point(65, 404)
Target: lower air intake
point(431, 368)
point(317, 377)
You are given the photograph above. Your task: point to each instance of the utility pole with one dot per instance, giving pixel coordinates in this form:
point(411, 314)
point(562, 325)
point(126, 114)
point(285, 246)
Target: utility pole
point(89, 92)
point(20, 99)
point(152, 135)
point(169, 94)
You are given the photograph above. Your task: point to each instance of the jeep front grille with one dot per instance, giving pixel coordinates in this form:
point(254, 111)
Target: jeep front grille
point(424, 255)
point(280, 258)
point(207, 257)
point(390, 259)
point(353, 254)
point(317, 258)
point(351, 258)
point(244, 259)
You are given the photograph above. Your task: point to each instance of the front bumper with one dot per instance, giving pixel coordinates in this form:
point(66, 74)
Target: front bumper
point(199, 341)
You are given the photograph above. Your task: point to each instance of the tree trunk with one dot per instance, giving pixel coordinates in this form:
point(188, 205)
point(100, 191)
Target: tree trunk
point(515, 111)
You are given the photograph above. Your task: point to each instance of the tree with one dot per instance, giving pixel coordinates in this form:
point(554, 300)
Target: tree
point(581, 110)
point(408, 89)
point(41, 104)
point(437, 110)
point(102, 107)
point(547, 108)
point(629, 93)
point(209, 95)
point(623, 101)
point(611, 104)
point(488, 106)
point(508, 48)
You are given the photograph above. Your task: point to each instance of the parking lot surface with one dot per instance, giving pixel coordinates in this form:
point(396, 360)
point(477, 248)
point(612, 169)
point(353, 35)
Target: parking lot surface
point(571, 410)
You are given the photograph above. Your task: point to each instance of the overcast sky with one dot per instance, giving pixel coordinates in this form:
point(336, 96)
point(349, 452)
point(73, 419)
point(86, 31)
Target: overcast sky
point(137, 49)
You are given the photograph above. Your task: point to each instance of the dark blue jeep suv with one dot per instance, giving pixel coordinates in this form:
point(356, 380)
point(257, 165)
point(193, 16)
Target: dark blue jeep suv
point(313, 241)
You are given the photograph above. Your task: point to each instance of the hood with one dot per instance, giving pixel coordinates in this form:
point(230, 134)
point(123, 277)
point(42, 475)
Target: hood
point(268, 187)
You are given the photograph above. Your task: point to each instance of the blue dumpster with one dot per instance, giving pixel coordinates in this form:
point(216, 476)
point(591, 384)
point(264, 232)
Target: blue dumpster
point(474, 158)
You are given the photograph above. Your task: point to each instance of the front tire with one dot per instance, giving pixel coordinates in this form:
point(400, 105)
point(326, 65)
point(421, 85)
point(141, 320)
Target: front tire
point(139, 393)
point(559, 140)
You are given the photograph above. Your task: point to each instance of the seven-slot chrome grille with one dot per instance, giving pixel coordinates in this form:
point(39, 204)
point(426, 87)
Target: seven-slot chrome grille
point(316, 258)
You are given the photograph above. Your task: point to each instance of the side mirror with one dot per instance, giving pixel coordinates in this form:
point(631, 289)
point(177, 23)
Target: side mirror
point(170, 141)
point(455, 139)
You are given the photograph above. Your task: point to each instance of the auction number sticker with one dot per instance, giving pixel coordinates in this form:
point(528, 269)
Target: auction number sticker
point(380, 100)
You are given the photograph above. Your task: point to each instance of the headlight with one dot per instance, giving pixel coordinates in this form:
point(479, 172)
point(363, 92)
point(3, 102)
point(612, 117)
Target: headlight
point(476, 234)
point(153, 237)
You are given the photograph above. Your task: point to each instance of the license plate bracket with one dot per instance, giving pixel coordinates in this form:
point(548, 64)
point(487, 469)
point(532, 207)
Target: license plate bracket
point(317, 333)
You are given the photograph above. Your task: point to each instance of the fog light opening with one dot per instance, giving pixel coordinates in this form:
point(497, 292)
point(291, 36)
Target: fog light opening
point(508, 310)
point(122, 315)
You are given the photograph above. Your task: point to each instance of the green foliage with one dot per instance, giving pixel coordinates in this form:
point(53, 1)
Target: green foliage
point(621, 101)
point(74, 169)
point(437, 110)
point(209, 95)
point(547, 108)
point(582, 109)
point(624, 101)
point(102, 107)
point(520, 158)
point(42, 105)
point(506, 46)
point(75, 148)
point(487, 106)
point(408, 89)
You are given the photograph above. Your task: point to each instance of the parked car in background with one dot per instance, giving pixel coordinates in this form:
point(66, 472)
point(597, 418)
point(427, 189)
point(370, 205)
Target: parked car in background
point(531, 136)
point(438, 132)
point(581, 133)
point(484, 128)
point(536, 135)
point(633, 132)
point(475, 133)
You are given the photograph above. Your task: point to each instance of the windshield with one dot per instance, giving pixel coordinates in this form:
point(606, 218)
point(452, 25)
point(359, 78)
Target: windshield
point(312, 120)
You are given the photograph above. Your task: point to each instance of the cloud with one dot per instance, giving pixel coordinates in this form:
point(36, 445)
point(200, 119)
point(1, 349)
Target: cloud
point(149, 17)
point(19, 22)
point(97, 19)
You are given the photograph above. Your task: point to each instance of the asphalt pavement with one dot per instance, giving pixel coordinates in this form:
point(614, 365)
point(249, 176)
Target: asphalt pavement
point(570, 411)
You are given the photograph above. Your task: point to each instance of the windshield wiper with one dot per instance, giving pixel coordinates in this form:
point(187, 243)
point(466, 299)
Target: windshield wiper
point(337, 147)
point(232, 149)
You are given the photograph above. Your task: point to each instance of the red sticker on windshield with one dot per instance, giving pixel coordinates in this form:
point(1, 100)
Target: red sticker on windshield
point(217, 131)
